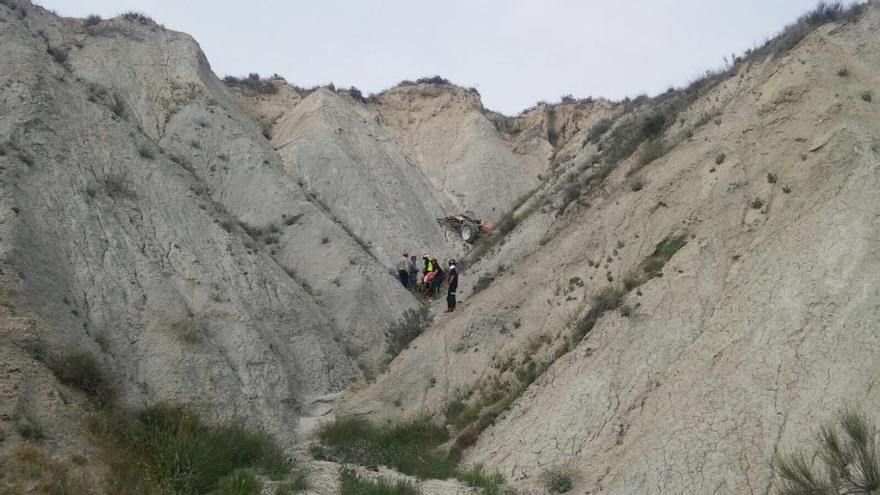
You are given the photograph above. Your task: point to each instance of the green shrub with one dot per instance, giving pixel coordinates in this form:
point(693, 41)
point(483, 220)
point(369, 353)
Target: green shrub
point(434, 80)
point(29, 429)
point(138, 18)
point(527, 373)
point(652, 125)
point(59, 54)
point(169, 449)
point(599, 129)
point(667, 248)
point(411, 448)
point(630, 282)
point(637, 184)
point(317, 452)
point(585, 324)
point(489, 484)
point(663, 252)
point(399, 335)
point(92, 20)
point(622, 141)
point(352, 484)
point(557, 481)
point(607, 299)
point(356, 94)
point(82, 371)
point(252, 83)
point(240, 482)
point(460, 414)
point(297, 483)
point(653, 267)
point(848, 461)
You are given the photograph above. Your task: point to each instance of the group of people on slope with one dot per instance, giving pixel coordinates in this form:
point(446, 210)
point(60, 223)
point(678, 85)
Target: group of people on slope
point(431, 279)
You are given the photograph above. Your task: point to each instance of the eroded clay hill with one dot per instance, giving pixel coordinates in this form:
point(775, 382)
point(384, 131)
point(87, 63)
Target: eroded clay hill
point(699, 306)
point(681, 286)
point(208, 244)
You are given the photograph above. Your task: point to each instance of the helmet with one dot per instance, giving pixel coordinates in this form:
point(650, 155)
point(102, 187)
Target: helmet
point(451, 262)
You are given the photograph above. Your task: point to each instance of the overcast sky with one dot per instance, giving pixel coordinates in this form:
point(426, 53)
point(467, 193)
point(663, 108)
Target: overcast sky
point(515, 52)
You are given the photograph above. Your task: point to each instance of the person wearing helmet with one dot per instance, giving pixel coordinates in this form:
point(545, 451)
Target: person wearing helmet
point(453, 286)
point(427, 275)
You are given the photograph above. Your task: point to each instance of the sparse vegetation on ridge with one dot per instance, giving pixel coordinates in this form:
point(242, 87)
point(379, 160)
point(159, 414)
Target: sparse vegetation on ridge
point(138, 18)
point(647, 119)
point(92, 20)
point(252, 83)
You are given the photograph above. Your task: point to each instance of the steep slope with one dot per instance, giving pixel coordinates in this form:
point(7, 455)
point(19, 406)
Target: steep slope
point(429, 140)
point(226, 151)
point(338, 151)
point(461, 152)
point(760, 328)
point(126, 177)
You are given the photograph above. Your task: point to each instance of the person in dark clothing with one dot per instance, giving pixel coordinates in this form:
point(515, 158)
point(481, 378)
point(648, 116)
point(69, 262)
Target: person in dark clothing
point(402, 272)
point(453, 286)
point(438, 276)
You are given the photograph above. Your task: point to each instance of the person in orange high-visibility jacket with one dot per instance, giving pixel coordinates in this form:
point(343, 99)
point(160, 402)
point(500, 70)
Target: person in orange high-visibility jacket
point(428, 285)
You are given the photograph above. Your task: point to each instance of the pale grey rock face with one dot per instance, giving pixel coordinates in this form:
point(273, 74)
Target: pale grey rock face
point(458, 149)
point(761, 329)
point(147, 219)
point(355, 168)
point(154, 224)
point(123, 230)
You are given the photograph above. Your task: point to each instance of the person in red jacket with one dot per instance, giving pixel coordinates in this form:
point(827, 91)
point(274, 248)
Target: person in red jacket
point(453, 286)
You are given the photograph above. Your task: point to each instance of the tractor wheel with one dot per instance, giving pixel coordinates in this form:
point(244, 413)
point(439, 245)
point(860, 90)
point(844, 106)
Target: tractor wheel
point(469, 232)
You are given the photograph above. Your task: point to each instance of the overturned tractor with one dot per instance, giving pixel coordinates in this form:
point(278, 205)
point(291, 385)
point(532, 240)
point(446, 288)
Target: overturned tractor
point(467, 226)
